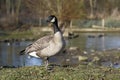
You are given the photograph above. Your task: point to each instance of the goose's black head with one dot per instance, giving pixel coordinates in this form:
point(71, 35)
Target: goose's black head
point(52, 19)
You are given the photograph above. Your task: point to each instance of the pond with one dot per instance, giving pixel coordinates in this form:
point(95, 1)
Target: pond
point(86, 41)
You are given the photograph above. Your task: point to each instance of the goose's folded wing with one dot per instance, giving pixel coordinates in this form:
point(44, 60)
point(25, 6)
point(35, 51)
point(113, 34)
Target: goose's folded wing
point(39, 44)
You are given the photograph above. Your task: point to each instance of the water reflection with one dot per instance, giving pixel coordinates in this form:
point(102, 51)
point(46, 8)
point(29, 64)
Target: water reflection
point(9, 50)
point(95, 43)
point(106, 42)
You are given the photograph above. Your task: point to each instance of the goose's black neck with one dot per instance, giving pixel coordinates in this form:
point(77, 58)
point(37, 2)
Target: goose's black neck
point(55, 27)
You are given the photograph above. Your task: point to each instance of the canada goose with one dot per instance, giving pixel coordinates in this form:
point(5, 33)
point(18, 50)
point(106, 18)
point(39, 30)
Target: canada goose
point(48, 45)
point(72, 35)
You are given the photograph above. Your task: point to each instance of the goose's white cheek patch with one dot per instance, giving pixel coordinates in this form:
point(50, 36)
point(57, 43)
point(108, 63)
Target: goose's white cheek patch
point(53, 20)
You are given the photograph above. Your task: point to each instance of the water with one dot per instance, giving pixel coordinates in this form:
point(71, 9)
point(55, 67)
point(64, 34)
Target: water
point(9, 55)
point(86, 41)
point(106, 42)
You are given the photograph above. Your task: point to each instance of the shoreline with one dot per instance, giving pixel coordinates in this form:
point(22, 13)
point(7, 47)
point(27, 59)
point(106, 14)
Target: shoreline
point(96, 30)
point(37, 32)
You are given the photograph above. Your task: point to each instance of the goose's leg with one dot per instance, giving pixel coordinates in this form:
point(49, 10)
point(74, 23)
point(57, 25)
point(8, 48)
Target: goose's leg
point(46, 63)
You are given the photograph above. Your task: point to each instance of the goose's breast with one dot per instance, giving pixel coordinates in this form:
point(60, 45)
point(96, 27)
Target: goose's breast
point(52, 49)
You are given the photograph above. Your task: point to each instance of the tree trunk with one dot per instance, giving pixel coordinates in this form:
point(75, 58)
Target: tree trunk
point(12, 8)
point(18, 4)
point(91, 8)
point(8, 7)
point(40, 21)
point(59, 8)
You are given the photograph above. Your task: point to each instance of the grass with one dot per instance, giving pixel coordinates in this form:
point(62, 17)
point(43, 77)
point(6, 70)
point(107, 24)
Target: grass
point(28, 34)
point(80, 72)
point(16, 35)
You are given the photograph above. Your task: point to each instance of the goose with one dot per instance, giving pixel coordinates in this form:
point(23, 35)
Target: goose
point(48, 45)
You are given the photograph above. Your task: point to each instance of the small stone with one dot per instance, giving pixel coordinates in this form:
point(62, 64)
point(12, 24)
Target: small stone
point(82, 58)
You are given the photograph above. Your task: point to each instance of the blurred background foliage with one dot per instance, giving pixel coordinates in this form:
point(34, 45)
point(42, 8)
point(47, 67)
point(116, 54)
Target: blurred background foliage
point(22, 14)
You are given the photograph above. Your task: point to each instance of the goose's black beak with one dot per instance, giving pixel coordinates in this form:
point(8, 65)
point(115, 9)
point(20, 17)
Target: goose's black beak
point(48, 19)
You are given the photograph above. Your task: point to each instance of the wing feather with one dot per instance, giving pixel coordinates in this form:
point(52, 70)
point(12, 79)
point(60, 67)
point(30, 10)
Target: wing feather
point(39, 44)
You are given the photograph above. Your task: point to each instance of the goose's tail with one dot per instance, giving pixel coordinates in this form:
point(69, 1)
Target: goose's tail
point(22, 52)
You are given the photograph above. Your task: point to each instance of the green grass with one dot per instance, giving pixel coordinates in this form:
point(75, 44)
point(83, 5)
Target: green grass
point(60, 73)
point(28, 34)
point(16, 35)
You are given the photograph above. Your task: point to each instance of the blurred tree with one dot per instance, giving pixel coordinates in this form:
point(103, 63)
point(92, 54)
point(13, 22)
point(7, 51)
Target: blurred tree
point(65, 10)
point(100, 8)
point(38, 8)
point(9, 13)
point(12, 7)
